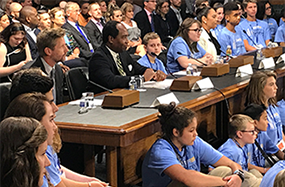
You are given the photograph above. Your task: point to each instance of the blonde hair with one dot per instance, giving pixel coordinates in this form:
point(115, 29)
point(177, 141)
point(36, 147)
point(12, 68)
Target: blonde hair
point(125, 7)
point(280, 179)
point(149, 36)
point(238, 123)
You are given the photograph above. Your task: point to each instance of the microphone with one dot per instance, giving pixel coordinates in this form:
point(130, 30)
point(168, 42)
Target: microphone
point(100, 86)
point(249, 37)
point(179, 53)
point(167, 69)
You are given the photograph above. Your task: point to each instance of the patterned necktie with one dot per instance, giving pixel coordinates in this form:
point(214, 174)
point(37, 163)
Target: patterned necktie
point(120, 67)
point(52, 76)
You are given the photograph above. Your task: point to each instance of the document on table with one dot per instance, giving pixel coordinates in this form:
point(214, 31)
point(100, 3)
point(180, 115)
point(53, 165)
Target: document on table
point(94, 102)
point(159, 85)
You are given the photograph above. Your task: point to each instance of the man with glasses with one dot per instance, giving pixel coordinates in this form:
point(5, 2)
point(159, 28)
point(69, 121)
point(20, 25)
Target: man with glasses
point(146, 18)
point(79, 33)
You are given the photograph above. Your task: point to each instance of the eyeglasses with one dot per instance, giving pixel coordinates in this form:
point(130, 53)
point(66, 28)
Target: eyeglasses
point(152, 1)
point(252, 132)
point(268, 8)
point(196, 30)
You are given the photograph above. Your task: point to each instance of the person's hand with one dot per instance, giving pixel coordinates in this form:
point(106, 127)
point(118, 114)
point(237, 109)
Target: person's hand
point(96, 184)
point(97, 180)
point(233, 181)
point(64, 67)
point(148, 74)
point(163, 48)
point(208, 58)
point(159, 76)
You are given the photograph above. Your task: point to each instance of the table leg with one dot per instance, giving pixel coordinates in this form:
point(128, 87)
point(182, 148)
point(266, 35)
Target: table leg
point(112, 167)
point(89, 160)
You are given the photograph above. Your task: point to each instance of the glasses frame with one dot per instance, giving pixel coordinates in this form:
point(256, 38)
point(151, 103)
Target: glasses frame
point(252, 131)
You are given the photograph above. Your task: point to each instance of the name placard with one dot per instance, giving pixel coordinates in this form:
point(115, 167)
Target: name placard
point(243, 71)
point(281, 58)
point(203, 84)
point(266, 63)
point(164, 99)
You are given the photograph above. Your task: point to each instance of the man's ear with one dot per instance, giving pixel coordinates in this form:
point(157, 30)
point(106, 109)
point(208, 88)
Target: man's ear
point(48, 51)
point(111, 39)
point(227, 17)
point(239, 134)
point(28, 19)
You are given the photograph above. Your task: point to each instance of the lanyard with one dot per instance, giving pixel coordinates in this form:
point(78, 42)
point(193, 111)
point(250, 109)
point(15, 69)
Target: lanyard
point(85, 37)
point(178, 156)
point(244, 154)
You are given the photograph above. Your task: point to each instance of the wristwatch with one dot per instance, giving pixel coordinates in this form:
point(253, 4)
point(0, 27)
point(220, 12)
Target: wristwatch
point(240, 173)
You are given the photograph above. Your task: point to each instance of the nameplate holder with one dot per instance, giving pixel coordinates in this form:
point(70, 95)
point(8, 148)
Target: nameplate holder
point(184, 83)
point(121, 99)
point(215, 70)
point(243, 71)
point(266, 63)
point(165, 99)
point(203, 84)
point(281, 58)
point(241, 61)
point(272, 52)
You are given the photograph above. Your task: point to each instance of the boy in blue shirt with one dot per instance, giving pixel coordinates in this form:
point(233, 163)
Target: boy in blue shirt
point(229, 35)
point(152, 45)
point(241, 132)
point(256, 33)
point(257, 161)
point(280, 33)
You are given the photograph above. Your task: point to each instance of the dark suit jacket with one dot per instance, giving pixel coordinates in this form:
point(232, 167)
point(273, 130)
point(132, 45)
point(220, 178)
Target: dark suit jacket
point(94, 33)
point(173, 21)
point(58, 77)
point(83, 45)
point(33, 45)
point(103, 70)
point(143, 22)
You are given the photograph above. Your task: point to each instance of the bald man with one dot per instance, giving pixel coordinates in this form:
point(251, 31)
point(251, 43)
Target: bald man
point(29, 19)
point(15, 9)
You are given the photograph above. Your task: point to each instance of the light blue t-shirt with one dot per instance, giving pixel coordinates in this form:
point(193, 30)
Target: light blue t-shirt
point(254, 155)
point(280, 34)
point(161, 156)
point(237, 154)
point(157, 65)
point(273, 26)
point(235, 40)
point(54, 169)
point(269, 177)
point(281, 22)
point(217, 31)
point(274, 129)
point(257, 30)
point(178, 48)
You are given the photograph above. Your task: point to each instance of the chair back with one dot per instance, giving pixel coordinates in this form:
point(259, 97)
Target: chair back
point(76, 80)
point(4, 97)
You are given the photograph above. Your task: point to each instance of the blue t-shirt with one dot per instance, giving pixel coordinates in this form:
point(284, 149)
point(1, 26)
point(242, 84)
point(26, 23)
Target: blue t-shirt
point(237, 154)
point(257, 30)
point(235, 40)
point(54, 169)
point(161, 156)
point(217, 31)
point(281, 109)
point(157, 65)
point(280, 34)
point(274, 129)
point(281, 22)
point(269, 177)
point(178, 48)
point(254, 155)
point(273, 26)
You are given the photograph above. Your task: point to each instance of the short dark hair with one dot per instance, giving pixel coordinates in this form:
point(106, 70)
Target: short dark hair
point(28, 81)
point(229, 7)
point(110, 29)
point(202, 11)
point(254, 111)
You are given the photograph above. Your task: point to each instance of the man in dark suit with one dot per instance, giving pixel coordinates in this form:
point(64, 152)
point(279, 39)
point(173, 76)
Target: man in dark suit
point(175, 16)
point(52, 49)
point(78, 32)
point(95, 25)
point(111, 66)
point(29, 19)
point(146, 17)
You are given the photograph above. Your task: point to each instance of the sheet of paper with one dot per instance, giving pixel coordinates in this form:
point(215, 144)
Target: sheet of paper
point(159, 85)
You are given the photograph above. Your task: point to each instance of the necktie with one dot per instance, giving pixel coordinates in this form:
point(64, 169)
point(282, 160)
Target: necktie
point(100, 26)
point(120, 67)
point(85, 37)
point(152, 22)
point(52, 76)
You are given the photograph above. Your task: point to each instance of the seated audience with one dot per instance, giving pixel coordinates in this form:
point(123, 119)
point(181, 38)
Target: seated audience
point(241, 133)
point(62, 5)
point(14, 51)
point(175, 158)
point(257, 160)
point(162, 22)
point(208, 17)
point(37, 106)
point(264, 13)
point(229, 35)
point(184, 47)
point(44, 21)
point(95, 25)
point(5, 5)
point(262, 89)
point(15, 9)
point(137, 8)
point(103, 8)
point(256, 33)
point(23, 143)
point(111, 66)
point(4, 20)
point(175, 16)
point(26, 2)
point(83, 16)
point(114, 13)
point(274, 175)
point(201, 3)
point(29, 19)
point(218, 7)
point(146, 18)
point(280, 34)
point(79, 33)
point(152, 45)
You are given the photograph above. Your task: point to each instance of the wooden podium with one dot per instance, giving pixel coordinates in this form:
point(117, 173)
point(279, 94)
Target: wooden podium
point(241, 61)
point(121, 99)
point(215, 70)
point(184, 83)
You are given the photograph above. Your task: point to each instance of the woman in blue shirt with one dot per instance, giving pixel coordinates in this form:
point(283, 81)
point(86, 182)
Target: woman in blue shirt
point(184, 47)
point(177, 155)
